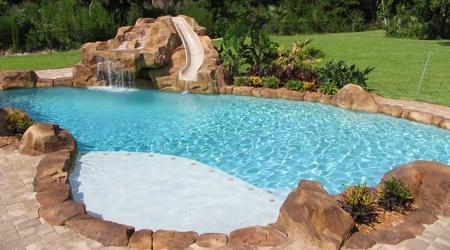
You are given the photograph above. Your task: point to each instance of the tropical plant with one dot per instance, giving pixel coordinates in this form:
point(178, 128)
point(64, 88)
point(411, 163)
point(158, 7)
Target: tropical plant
point(358, 202)
point(300, 55)
point(17, 123)
point(271, 82)
point(242, 81)
point(261, 52)
point(255, 81)
point(340, 74)
point(294, 85)
point(395, 195)
point(232, 51)
point(328, 88)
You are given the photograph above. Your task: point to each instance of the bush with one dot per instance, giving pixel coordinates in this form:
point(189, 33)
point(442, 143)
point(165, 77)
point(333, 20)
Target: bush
point(17, 123)
point(340, 74)
point(255, 81)
point(328, 88)
point(358, 201)
point(242, 81)
point(270, 82)
point(294, 85)
point(395, 195)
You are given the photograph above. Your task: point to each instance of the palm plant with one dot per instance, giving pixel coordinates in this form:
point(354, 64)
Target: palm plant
point(300, 55)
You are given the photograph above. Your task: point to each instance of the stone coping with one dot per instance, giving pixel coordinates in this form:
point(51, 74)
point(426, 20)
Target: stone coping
point(350, 97)
point(421, 112)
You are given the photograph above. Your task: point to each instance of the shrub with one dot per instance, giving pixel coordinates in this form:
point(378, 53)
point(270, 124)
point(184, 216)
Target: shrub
point(395, 195)
point(328, 88)
point(232, 51)
point(270, 82)
point(242, 81)
point(17, 123)
point(358, 201)
point(255, 81)
point(340, 74)
point(310, 86)
point(294, 85)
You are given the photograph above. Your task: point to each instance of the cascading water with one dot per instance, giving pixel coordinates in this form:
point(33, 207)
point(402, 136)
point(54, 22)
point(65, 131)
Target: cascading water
point(114, 74)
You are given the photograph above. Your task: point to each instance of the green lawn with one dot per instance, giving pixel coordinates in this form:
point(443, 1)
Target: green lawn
point(43, 61)
point(398, 62)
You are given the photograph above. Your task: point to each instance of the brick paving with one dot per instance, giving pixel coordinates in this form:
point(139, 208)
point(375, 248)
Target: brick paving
point(21, 227)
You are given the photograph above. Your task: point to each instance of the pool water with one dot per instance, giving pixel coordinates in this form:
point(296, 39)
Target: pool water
point(271, 144)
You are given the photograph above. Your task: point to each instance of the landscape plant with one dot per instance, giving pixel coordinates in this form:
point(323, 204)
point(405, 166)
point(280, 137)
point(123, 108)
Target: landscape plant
point(16, 123)
point(395, 195)
point(232, 51)
point(242, 81)
point(358, 202)
point(296, 85)
point(270, 82)
point(340, 74)
point(328, 88)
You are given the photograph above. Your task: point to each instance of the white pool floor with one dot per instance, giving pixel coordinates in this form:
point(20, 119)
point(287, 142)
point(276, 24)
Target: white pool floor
point(156, 191)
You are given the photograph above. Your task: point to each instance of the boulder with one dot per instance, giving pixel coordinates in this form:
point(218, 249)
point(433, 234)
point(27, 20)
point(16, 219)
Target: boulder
point(141, 239)
point(270, 93)
point(429, 183)
point(257, 236)
point(391, 110)
point(173, 240)
point(63, 82)
point(421, 117)
point(52, 197)
point(212, 240)
point(49, 183)
point(4, 112)
point(309, 214)
point(292, 94)
point(53, 164)
point(44, 83)
point(46, 138)
point(84, 75)
point(242, 90)
point(106, 232)
point(360, 240)
point(354, 97)
point(445, 124)
point(58, 214)
point(16, 79)
point(312, 96)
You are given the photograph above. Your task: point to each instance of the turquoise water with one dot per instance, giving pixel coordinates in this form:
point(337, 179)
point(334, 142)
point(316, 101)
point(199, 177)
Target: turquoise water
point(270, 143)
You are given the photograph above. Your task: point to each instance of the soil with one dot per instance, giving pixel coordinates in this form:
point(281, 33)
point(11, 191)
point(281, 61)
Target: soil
point(383, 219)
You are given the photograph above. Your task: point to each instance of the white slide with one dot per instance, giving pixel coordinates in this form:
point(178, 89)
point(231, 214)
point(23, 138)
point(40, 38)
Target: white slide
point(193, 49)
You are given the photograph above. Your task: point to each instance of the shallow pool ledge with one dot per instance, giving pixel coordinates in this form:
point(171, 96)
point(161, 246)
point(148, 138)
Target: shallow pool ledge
point(149, 190)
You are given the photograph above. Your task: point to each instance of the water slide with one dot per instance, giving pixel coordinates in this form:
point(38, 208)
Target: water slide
point(193, 49)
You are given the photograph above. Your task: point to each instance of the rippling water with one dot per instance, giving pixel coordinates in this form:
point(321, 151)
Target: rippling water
point(269, 143)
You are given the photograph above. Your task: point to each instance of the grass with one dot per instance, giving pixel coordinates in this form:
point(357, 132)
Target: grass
point(40, 61)
point(398, 62)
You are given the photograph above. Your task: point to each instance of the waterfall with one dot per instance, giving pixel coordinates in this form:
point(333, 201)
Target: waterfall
point(114, 74)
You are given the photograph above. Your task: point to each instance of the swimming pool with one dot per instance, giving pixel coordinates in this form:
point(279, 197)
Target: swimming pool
point(271, 144)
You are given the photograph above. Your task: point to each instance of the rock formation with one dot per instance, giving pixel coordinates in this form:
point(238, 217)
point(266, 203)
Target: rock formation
point(148, 54)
